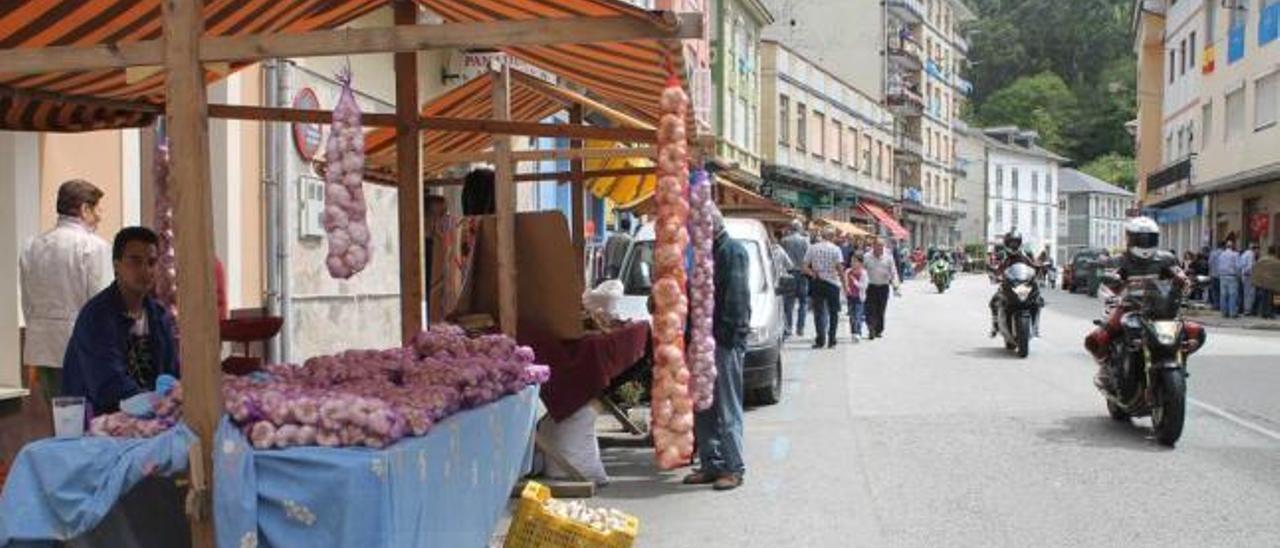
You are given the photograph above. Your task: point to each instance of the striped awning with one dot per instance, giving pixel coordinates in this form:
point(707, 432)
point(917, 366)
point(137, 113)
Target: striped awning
point(622, 191)
point(73, 101)
point(629, 74)
point(473, 99)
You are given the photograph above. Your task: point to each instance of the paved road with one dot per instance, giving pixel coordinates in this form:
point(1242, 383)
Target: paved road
point(935, 436)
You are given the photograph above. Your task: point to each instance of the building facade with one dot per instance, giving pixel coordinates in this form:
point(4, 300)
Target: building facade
point(971, 187)
point(828, 146)
point(735, 73)
point(1021, 188)
point(1209, 102)
point(1091, 214)
point(924, 52)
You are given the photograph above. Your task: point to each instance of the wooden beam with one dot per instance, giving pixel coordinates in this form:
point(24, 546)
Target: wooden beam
point(505, 196)
point(435, 123)
point(405, 38)
point(193, 231)
point(543, 155)
point(576, 182)
point(562, 176)
point(409, 170)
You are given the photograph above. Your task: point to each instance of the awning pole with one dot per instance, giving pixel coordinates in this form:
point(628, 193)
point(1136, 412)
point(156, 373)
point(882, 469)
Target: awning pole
point(577, 190)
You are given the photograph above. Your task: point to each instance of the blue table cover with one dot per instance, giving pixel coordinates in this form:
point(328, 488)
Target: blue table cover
point(448, 488)
point(59, 489)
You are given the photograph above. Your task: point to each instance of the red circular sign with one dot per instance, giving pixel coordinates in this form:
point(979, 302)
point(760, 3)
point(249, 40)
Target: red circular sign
point(307, 137)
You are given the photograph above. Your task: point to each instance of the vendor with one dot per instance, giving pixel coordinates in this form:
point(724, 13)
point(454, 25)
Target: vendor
point(123, 338)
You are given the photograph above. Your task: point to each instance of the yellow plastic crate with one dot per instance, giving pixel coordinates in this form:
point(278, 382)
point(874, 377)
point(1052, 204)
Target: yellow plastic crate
point(534, 527)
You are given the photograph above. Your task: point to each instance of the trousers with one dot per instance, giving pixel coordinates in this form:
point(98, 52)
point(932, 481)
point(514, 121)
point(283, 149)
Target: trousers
point(1230, 294)
point(719, 427)
point(800, 299)
point(826, 310)
point(877, 303)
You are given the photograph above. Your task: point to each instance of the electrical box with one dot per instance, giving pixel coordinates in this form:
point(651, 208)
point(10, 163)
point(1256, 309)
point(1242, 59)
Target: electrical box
point(310, 207)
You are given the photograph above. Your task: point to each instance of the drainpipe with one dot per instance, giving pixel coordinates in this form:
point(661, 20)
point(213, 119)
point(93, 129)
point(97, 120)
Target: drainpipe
point(276, 209)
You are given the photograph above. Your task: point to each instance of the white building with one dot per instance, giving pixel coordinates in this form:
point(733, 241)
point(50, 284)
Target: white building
point(1022, 182)
point(1091, 214)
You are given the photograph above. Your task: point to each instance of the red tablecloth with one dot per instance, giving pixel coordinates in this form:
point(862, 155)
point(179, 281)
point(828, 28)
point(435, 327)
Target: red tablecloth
point(581, 369)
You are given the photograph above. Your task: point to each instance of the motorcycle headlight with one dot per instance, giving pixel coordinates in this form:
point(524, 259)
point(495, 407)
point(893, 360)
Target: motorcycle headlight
point(1166, 332)
point(1022, 291)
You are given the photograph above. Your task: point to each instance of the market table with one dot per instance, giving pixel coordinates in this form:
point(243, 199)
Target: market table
point(448, 488)
point(581, 369)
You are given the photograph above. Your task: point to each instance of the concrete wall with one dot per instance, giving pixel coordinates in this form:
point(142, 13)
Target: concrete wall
point(843, 36)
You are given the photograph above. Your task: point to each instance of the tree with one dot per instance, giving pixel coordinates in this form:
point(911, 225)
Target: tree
point(1042, 103)
point(1114, 168)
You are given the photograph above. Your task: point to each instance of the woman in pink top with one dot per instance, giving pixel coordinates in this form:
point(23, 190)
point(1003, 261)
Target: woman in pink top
point(855, 291)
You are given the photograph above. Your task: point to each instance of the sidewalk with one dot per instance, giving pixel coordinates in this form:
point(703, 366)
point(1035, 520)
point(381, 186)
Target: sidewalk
point(1212, 318)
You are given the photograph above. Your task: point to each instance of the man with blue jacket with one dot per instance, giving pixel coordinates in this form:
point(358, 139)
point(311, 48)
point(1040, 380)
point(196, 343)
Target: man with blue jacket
point(123, 343)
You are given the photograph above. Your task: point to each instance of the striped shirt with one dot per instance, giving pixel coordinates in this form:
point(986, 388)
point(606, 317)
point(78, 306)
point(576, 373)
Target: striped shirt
point(827, 262)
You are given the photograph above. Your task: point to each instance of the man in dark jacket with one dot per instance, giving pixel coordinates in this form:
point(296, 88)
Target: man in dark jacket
point(719, 428)
point(123, 338)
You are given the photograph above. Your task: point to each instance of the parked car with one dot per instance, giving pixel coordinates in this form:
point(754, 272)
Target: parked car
point(1084, 272)
point(762, 365)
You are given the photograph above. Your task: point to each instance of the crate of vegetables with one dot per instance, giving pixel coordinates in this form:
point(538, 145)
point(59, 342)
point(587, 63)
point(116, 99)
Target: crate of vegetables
point(545, 522)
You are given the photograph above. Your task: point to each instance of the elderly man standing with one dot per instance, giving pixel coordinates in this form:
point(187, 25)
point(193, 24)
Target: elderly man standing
point(882, 272)
point(824, 263)
point(719, 428)
point(61, 270)
point(796, 244)
point(1228, 262)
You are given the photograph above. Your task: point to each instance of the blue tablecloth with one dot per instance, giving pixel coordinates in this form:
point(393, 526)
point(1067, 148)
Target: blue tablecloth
point(59, 489)
point(448, 488)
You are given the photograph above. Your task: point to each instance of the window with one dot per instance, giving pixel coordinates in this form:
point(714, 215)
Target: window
point(1035, 186)
point(1048, 187)
point(819, 133)
point(1173, 62)
point(927, 134)
point(1168, 147)
point(1013, 178)
point(999, 181)
point(802, 128)
point(1266, 94)
point(740, 122)
point(1206, 122)
point(1191, 51)
point(1045, 211)
point(1184, 57)
point(999, 214)
point(1210, 21)
point(838, 130)
point(784, 120)
point(1235, 115)
point(1035, 220)
point(851, 157)
point(866, 155)
point(1191, 137)
point(1013, 219)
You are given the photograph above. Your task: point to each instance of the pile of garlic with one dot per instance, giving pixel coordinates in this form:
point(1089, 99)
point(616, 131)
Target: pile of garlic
point(604, 520)
point(344, 206)
point(167, 274)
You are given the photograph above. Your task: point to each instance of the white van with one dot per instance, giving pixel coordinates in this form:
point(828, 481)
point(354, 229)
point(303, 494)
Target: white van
point(762, 366)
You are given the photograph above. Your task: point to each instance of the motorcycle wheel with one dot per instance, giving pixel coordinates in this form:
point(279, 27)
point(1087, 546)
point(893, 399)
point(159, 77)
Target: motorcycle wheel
point(1117, 414)
point(1170, 411)
point(1024, 337)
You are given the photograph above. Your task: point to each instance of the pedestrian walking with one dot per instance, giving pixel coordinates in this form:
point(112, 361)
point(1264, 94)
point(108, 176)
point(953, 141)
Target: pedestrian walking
point(882, 273)
point(1248, 292)
point(719, 428)
point(60, 271)
point(823, 263)
point(1229, 280)
point(795, 302)
point(855, 287)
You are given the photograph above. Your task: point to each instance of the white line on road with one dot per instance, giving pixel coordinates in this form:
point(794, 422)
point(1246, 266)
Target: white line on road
point(1238, 420)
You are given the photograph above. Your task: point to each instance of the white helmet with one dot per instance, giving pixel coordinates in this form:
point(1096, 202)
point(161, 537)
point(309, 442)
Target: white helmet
point(1142, 237)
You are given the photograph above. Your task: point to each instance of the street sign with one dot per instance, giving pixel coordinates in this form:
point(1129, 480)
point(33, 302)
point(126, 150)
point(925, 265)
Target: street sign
point(307, 137)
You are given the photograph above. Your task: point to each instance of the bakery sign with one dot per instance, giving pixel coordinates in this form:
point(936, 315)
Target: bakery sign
point(470, 64)
point(306, 136)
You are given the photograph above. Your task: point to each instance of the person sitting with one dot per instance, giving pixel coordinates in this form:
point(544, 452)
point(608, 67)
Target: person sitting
point(122, 345)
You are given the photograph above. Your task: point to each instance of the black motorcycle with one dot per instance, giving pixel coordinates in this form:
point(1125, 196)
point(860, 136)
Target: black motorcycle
point(1018, 307)
point(1148, 362)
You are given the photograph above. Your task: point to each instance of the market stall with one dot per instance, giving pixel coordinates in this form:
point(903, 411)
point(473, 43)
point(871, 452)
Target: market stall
point(109, 79)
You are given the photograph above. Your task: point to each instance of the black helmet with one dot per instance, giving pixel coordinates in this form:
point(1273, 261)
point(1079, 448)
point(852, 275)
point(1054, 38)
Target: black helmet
point(1013, 240)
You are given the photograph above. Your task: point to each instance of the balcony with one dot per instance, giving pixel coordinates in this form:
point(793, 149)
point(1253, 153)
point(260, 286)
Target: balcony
point(963, 86)
point(909, 11)
point(904, 101)
point(908, 149)
point(1170, 174)
point(905, 54)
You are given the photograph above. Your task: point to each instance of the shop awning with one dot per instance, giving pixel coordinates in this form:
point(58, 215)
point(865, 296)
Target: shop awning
point(622, 191)
point(886, 220)
point(629, 74)
point(733, 200)
point(848, 229)
point(110, 99)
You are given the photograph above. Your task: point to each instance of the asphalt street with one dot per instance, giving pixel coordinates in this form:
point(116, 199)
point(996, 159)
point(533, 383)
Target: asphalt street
point(937, 436)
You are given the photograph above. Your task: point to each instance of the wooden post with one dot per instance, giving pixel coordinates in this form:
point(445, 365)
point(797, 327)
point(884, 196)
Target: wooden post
point(193, 232)
point(505, 196)
point(576, 184)
point(409, 173)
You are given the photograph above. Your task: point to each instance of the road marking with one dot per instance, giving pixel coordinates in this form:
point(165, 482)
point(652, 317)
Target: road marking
point(1238, 420)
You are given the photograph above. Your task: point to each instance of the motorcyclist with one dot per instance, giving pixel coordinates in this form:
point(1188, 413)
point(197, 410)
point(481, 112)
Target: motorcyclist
point(1142, 259)
point(1011, 254)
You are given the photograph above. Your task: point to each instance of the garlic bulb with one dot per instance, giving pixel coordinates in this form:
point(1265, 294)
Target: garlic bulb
point(702, 344)
point(344, 212)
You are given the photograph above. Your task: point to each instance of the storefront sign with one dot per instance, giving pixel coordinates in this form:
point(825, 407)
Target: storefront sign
point(470, 64)
point(307, 137)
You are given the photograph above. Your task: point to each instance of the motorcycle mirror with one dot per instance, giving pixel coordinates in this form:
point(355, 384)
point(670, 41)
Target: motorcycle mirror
point(1097, 323)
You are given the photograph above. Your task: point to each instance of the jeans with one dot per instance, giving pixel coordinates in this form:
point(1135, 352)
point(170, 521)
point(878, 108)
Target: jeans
point(877, 303)
point(1248, 295)
point(789, 303)
point(826, 311)
point(719, 428)
point(855, 315)
point(1230, 290)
